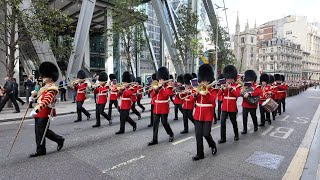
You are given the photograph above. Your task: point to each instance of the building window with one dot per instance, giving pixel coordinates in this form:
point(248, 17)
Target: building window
point(242, 40)
point(271, 66)
point(251, 39)
point(288, 32)
point(272, 58)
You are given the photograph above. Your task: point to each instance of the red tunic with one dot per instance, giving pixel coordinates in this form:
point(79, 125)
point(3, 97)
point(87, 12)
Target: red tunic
point(134, 94)
point(113, 93)
point(277, 91)
point(283, 90)
point(46, 98)
point(139, 92)
point(102, 94)
point(81, 89)
point(161, 102)
point(256, 92)
point(177, 99)
point(204, 106)
point(229, 103)
point(220, 95)
point(188, 100)
point(265, 93)
point(125, 98)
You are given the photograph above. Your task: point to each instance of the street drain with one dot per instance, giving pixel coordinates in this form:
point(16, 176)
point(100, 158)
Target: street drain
point(264, 159)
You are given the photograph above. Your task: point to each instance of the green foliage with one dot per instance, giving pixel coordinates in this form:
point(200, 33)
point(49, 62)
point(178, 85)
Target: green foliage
point(38, 22)
point(128, 25)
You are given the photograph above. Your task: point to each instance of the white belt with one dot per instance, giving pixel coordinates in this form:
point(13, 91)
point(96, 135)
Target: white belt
point(81, 92)
point(280, 91)
point(187, 99)
point(161, 101)
point(134, 94)
point(102, 94)
point(113, 93)
point(126, 99)
point(204, 105)
point(230, 98)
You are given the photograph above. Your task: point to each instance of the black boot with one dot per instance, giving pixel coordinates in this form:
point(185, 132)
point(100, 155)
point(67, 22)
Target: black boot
point(60, 145)
point(119, 132)
point(244, 132)
point(214, 149)
point(221, 141)
point(197, 157)
point(97, 125)
point(261, 124)
point(77, 120)
point(236, 138)
point(184, 132)
point(171, 138)
point(152, 143)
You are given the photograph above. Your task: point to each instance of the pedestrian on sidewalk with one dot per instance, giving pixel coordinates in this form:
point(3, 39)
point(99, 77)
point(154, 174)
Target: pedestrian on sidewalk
point(63, 89)
point(16, 91)
point(43, 110)
point(29, 85)
point(9, 94)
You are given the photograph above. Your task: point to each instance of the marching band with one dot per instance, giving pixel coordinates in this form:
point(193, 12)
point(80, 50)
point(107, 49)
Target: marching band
point(195, 95)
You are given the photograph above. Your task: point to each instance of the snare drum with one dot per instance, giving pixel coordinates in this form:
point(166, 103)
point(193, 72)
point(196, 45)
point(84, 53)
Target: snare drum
point(270, 105)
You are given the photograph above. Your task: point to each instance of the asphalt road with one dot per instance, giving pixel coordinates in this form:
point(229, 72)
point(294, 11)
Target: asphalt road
point(100, 154)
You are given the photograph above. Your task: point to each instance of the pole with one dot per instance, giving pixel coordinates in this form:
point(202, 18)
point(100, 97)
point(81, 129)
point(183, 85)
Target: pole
point(216, 63)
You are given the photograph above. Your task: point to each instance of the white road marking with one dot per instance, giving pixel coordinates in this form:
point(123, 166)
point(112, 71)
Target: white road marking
point(215, 127)
point(281, 132)
point(285, 118)
point(123, 164)
point(182, 140)
point(267, 131)
point(15, 122)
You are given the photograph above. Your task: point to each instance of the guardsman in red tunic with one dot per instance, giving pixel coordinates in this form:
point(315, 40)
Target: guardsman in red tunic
point(274, 89)
point(153, 96)
point(140, 94)
point(125, 94)
point(231, 92)
point(134, 98)
point(177, 101)
point(161, 105)
point(101, 92)
point(203, 114)
point(250, 89)
point(284, 87)
point(266, 93)
point(81, 88)
point(188, 102)
point(281, 88)
point(113, 94)
point(221, 83)
point(43, 110)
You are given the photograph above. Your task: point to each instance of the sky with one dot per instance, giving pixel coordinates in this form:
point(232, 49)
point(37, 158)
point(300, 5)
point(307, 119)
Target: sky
point(261, 11)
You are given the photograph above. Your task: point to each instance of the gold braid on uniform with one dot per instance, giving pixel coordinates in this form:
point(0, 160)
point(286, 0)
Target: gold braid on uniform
point(48, 98)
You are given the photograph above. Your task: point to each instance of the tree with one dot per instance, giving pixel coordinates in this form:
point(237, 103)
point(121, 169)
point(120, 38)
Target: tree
point(187, 43)
point(127, 24)
point(225, 54)
point(19, 26)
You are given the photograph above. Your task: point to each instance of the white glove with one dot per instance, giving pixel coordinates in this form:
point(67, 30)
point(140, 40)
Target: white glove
point(31, 99)
point(33, 114)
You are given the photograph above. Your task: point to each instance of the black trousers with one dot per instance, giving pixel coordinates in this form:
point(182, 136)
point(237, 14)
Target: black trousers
point(283, 102)
point(164, 121)
point(81, 109)
point(203, 130)
point(253, 113)
point(40, 126)
point(279, 101)
point(187, 114)
point(12, 99)
point(63, 94)
point(18, 99)
point(177, 108)
point(124, 117)
point(139, 104)
point(219, 109)
point(233, 119)
point(134, 110)
point(112, 102)
point(265, 115)
point(100, 111)
point(151, 117)
point(28, 94)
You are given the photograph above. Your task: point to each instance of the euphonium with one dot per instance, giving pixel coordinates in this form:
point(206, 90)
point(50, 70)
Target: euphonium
point(203, 89)
point(155, 84)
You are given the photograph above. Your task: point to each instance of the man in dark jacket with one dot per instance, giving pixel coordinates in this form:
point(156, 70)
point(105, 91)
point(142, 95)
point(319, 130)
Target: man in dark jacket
point(29, 85)
point(9, 91)
point(16, 91)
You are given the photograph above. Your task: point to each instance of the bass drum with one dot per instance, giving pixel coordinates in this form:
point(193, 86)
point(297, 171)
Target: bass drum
point(270, 105)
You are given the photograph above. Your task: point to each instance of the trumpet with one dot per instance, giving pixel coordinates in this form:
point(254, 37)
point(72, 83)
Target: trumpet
point(203, 89)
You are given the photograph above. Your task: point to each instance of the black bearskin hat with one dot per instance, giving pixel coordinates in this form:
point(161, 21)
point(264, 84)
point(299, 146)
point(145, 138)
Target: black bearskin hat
point(271, 79)
point(49, 70)
point(126, 77)
point(180, 78)
point(194, 75)
point(170, 76)
point(81, 74)
point(283, 78)
point(138, 80)
point(220, 76)
point(250, 75)
point(186, 78)
point(103, 77)
point(205, 73)
point(163, 73)
point(264, 77)
point(154, 76)
point(230, 72)
point(132, 78)
point(277, 77)
point(112, 76)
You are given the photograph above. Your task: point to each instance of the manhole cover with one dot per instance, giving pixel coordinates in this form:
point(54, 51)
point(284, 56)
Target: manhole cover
point(264, 159)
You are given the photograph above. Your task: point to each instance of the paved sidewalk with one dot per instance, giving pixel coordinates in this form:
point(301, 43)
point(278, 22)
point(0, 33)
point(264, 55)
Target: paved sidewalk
point(63, 108)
